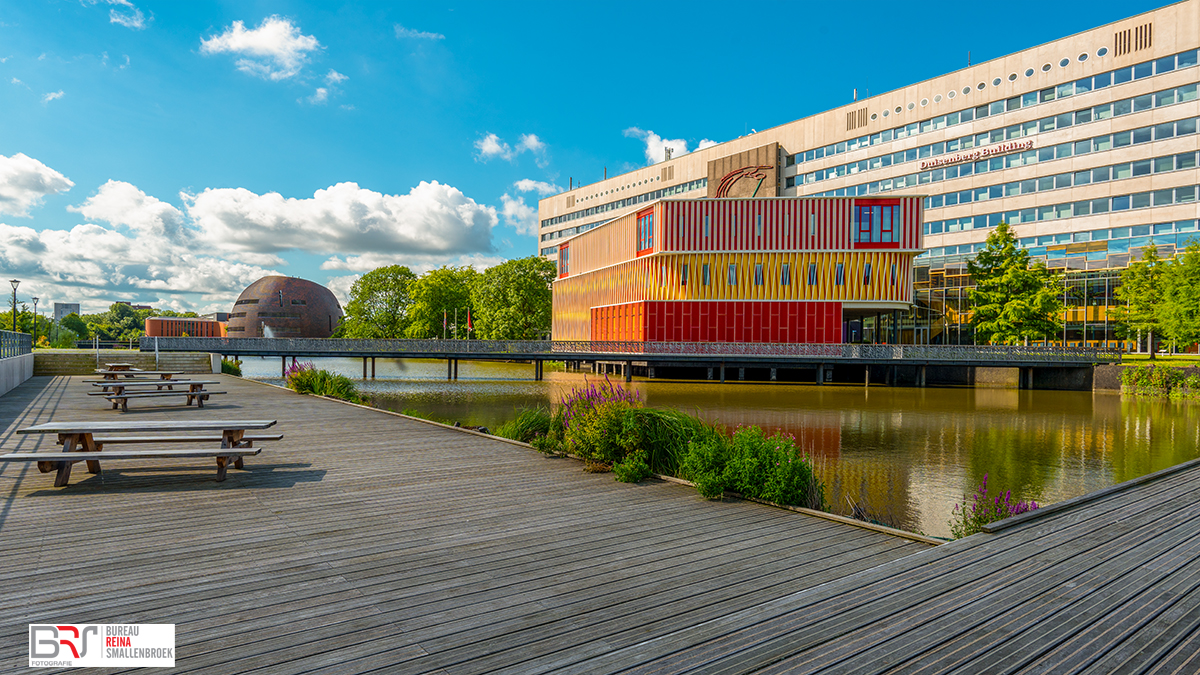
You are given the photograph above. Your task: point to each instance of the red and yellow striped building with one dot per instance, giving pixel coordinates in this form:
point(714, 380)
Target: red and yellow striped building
point(738, 270)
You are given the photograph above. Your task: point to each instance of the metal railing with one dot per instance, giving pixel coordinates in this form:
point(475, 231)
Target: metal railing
point(15, 344)
point(641, 350)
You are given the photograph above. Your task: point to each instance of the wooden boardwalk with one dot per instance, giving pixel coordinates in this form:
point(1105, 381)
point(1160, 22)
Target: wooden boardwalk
point(365, 541)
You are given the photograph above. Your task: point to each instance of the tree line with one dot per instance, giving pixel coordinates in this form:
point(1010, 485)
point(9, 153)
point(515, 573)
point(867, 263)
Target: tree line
point(119, 323)
point(511, 301)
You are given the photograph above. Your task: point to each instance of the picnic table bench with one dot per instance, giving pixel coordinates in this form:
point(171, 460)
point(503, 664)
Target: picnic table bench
point(123, 390)
point(108, 384)
point(80, 443)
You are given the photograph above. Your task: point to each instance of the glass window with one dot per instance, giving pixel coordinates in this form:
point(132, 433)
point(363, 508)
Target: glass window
point(1083, 116)
point(1062, 180)
point(1082, 209)
point(1163, 197)
point(840, 277)
point(1162, 164)
point(683, 275)
point(758, 275)
point(704, 275)
point(732, 278)
point(1143, 135)
point(1046, 124)
point(1101, 143)
point(1121, 171)
point(1143, 102)
point(706, 231)
point(758, 225)
point(1045, 213)
point(1063, 150)
point(1046, 95)
point(1103, 112)
point(1120, 203)
point(966, 115)
point(1186, 194)
point(1162, 131)
point(1029, 99)
point(1143, 70)
point(785, 275)
point(1122, 75)
point(867, 274)
point(1122, 107)
point(1102, 80)
point(1083, 147)
point(1141, 167)
point(1186, 160)
point(1140, 200)
point(996, 107)
point(1062, 210)
point(1065, 90)
point(812, 274)
point(1045, 154)
point(1122, 139)
point(1100, 206)
point(1164, 98)
point(1186, 59)
point(1185, 127)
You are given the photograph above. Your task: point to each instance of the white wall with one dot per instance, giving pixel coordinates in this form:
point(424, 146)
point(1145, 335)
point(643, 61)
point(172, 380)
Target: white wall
point(15, 370)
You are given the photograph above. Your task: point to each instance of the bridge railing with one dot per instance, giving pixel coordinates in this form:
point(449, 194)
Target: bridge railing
point(15, 344)
point(641, 350)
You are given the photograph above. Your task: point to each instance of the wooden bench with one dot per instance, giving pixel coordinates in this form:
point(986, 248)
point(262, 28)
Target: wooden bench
point(169, 384)
point(197, 395)
point(79, 443)
point(247, 441)
point(62, 461)
point(128, 374)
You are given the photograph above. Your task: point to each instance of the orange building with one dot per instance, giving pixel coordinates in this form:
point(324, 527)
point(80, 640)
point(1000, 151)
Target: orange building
point(169, 326)
point(742, 270)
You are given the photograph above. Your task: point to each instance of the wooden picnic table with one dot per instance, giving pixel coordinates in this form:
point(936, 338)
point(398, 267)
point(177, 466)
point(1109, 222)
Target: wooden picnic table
point(118, 392)
point(110, 374)
point(123, 382)
point(79, 439)
point(119, 366)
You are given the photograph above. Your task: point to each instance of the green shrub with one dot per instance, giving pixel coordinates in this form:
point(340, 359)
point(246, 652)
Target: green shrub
point(704, 463)
point(231, 366)
point(632, 469)
point(1154, 380)
point(754, 464)
point(322, 383)
point(663, 434)
point(552, 442)
point(531, 423)
point(970, 516)
point(595, 433)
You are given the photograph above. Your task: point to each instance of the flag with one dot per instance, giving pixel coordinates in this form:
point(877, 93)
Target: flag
point(443, 319)
point(469, 326)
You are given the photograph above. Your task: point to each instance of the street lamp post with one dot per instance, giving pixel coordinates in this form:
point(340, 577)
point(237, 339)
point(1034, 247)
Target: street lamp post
point(35, 322)
point(15, 283)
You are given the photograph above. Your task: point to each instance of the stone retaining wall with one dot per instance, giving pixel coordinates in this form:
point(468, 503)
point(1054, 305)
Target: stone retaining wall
point(83, 361)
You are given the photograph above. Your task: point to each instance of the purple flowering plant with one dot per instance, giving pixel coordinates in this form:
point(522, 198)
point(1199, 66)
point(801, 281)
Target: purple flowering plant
point(969, 517)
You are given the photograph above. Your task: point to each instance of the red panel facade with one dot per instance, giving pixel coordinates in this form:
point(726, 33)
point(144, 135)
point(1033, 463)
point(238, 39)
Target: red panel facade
point(741, 321)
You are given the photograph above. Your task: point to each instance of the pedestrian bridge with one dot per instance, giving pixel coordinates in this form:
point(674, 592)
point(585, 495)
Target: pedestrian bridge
point(624, 356)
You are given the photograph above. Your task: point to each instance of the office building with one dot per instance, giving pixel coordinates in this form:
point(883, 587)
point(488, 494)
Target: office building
point(1087, 145)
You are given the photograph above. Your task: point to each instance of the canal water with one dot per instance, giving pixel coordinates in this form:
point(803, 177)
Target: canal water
point(903, 456)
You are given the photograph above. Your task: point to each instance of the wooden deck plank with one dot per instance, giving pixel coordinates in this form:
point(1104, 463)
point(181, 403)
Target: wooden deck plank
point(358, 522)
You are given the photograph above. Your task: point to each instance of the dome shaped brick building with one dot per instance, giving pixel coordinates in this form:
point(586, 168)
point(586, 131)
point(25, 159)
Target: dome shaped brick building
point(284, 307)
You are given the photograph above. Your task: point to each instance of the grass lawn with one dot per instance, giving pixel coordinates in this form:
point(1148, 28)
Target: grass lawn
point(1177, 360)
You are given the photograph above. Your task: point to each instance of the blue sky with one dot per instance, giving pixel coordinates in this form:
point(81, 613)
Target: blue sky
point(171, 153)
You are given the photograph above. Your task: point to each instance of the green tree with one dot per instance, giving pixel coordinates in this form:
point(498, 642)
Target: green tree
point(380, 304)
point(442, 290)
point(512, 300)
point(1140, 297)
point(1013, 301)
point(76, 325)
point(1179, 312)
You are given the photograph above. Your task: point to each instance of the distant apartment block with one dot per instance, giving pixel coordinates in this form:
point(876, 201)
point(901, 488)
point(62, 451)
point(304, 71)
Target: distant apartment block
point(64, 309)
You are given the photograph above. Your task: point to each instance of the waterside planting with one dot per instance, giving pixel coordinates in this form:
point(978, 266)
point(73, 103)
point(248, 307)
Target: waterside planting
point(1162, 381)
point(610, 429)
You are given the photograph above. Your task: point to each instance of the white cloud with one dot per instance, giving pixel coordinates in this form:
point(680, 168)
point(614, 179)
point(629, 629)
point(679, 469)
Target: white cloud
point(334, 77)
point(492, 146)
point(431, 219)
point(519, 214)
point(123, 13)
point(52, 95)
point(706, 143)
point(656, 145)
point(25, 182)
point(20, 83)
point(123, 204)
point(417, 263)
point(275, 50)
point(402, 32)
point(542, 188)
point(321, 95)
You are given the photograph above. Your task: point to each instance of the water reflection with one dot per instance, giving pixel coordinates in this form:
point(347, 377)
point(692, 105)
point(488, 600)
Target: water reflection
point(904, 456)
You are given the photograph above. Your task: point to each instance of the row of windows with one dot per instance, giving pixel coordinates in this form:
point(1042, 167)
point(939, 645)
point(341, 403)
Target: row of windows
point(1087, 207)
point(1087, 236)
point(1103, 143)
point(785, 275)
point(1142, 167)
point(628, 201)
point(578, 229)
point(1093, 114)
point(1087, 84)
point(877, 224)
